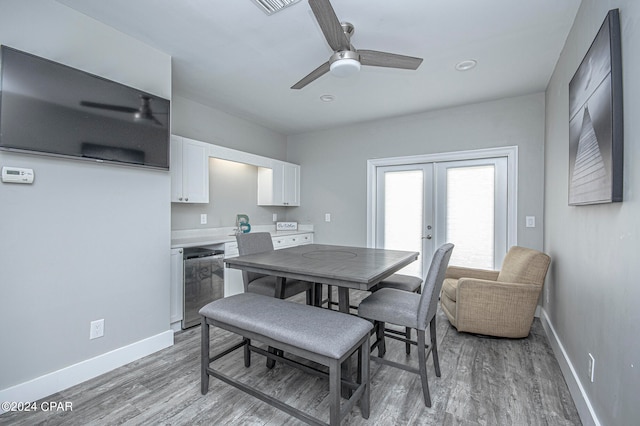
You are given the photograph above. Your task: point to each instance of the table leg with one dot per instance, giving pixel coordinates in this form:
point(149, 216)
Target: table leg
point(280, 283)
point(343, 299)
point(317, 294)
point(347, 368)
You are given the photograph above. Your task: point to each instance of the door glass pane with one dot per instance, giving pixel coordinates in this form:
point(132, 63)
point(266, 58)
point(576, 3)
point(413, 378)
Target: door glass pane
point(403, 214)
point(470, 215)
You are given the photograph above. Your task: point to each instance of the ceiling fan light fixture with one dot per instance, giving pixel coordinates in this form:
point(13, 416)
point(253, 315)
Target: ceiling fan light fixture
point(345, 67)
point(272, 6)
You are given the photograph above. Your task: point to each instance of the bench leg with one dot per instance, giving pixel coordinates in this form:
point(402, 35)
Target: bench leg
point(363, 377)
point(334, 392)
point(271, 362)
point(204, 356)
point(247, 352)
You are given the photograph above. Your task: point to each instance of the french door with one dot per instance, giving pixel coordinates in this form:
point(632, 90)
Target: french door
point(420, 206)
point(405, 212)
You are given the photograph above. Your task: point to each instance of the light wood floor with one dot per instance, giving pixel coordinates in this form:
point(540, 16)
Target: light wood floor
point(484, 381)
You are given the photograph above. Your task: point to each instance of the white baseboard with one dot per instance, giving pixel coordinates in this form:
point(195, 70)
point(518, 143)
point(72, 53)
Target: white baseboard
point(72, 375)
point(580, 398)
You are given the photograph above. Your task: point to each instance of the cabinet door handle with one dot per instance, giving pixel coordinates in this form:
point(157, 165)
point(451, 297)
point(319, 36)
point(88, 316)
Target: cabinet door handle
point(186, 199)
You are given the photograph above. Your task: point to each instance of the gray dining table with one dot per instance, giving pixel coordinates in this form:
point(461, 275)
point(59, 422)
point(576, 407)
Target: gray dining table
point(345, 267)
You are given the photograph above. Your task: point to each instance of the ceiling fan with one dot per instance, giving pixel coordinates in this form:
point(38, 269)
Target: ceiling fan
point(142, 113)
point(346, 60)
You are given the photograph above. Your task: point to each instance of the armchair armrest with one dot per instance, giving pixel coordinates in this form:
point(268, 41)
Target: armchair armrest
point(457, 272)
point(496, 308)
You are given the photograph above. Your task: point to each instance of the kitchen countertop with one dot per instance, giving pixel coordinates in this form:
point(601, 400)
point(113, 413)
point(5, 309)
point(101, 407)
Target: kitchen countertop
point(211, 236)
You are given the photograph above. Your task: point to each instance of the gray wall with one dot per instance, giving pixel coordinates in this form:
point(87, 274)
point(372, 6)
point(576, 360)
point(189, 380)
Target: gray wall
point(593, 282)
point(232, 190)
point(85, 241)
point(334, 176)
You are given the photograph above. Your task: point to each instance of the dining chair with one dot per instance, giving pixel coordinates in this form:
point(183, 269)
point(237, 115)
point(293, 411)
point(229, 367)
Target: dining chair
point(402, 282)
point(399, 281)
point(259, 242)
point(407, 309)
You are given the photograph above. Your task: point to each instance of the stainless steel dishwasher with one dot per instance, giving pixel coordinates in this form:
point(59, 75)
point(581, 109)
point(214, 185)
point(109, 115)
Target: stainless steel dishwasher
point(203, 281)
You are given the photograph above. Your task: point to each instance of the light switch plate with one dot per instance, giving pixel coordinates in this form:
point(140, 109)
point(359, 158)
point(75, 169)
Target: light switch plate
point(530, 222)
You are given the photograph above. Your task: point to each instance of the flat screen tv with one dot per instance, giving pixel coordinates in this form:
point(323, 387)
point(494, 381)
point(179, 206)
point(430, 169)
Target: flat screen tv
point(53, 109)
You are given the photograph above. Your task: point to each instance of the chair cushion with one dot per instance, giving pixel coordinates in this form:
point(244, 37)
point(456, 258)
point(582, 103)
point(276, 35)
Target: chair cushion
point(392, 306)
point(266, 286)
point(450, 288)
point(322, 331)
point(401, 282)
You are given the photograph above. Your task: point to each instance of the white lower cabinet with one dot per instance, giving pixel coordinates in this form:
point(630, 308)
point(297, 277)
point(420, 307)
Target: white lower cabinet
point(176, 292)
point(233, 277)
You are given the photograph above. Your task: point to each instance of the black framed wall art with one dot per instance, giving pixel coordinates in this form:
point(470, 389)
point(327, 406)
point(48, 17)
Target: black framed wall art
point(595, 120)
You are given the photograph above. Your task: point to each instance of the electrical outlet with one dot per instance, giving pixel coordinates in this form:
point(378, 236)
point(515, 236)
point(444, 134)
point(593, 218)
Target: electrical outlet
point(592, 364)
point(203, 219)
point(275, 217)
point(327, 217)
point(97, 329)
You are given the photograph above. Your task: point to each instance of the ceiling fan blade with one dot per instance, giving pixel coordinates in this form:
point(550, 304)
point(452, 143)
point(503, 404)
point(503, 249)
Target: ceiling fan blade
point(390, 60)
point(313, 75)
point(330, 24)
point(118, 108)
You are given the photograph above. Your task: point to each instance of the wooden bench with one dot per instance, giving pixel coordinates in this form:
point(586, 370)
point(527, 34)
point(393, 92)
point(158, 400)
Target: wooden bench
point(325, 337)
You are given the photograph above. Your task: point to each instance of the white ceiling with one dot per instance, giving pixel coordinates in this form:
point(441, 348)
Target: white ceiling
point(231, 56)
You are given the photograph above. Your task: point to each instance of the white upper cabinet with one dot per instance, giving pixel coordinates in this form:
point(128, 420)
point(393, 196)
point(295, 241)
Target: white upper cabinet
point(279, 185)
point(189, 170)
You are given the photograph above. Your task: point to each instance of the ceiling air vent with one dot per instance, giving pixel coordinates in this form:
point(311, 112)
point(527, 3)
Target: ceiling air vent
point(272, 6)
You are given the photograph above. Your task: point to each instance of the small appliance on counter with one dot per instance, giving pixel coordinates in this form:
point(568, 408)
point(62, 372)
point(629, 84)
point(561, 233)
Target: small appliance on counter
point(203, 281)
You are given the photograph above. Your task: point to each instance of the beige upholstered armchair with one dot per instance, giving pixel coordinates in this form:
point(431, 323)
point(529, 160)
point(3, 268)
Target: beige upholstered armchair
point(496, 303)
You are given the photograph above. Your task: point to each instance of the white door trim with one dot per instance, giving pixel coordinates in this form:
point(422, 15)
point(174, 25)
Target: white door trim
point(511, 152)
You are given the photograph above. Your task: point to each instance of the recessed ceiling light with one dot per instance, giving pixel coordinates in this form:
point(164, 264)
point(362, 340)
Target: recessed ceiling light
point(273, 6)
point(327, 98)
point(466, 65)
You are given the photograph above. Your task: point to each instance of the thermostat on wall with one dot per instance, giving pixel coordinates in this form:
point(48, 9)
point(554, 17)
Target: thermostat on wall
point(17, 175)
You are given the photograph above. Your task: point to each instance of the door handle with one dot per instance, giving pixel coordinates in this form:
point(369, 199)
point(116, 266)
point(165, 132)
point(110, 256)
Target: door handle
point(427, 237)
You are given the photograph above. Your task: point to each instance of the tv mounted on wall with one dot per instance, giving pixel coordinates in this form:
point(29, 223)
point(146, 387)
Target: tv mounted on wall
point(52, 109)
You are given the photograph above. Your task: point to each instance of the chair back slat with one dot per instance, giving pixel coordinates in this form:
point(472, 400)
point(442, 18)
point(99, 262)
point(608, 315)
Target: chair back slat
point(432, 285)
